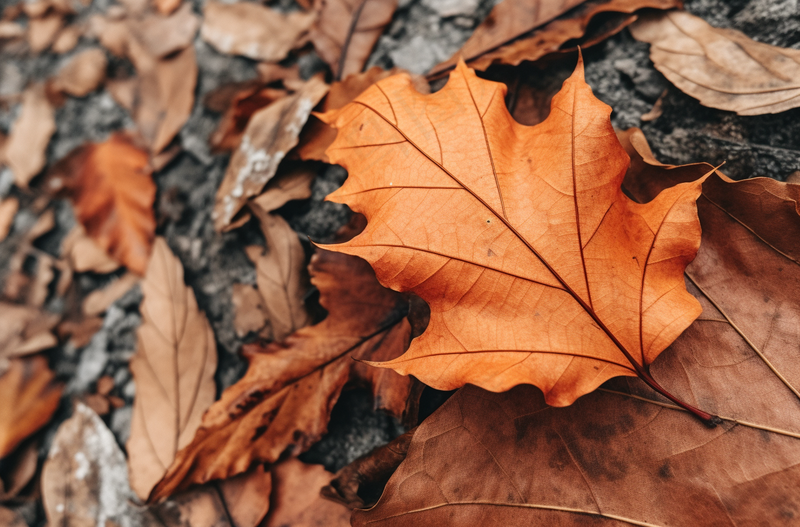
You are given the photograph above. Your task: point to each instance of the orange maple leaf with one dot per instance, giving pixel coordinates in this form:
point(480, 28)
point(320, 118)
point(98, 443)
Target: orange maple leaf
point(537, 268)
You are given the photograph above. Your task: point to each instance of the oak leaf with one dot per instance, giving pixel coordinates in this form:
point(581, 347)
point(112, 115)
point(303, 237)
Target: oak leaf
point(722, 68)
point(609, 454)
point(346, 31)
point(173, 368)
point(531, 33)
point(283, 403)
point(111, 188)
point(30, 397)
point(536, 267)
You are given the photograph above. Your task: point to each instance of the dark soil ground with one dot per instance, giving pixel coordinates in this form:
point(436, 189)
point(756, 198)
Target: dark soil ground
point(618, 70)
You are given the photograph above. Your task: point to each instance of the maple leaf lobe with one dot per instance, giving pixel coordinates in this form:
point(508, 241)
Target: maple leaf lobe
point(536, 267)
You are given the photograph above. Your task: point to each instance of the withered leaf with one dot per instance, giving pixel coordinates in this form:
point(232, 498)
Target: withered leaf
point(283, 403)
point(317, 136)
point(243, 105)
point(253, 30)
point(83, 253)
point(67, 39)
point(83, 74)
point(507, 21)
point(10, 518)
point(549, 38)
point(113, 192)
point(293, 184)
point(365, 478)
point(43, 31)
point(281, 276)
point(25, 330)
point(296, 501)
point(165, 35)
point(24, 150)
point(722, 68)
point(270, 134)
point(8, 209)
point(173, 368)
point(248, 305)
point(30, 397)
point(18, 470)
point(347, 30)
point(536, 267)
point(614, 450)
point(98, 301)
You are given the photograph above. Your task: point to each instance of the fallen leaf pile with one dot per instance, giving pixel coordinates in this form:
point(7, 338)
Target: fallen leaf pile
point(620, 335)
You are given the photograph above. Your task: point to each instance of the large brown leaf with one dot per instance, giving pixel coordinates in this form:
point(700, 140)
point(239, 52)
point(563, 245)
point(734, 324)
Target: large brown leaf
point(543, 37)
point(622, 455)
point(283, 403)
point(346, 31)
point(112, 190)
point(536, 267)
point(722, 68)
point(173, 368)
point(29, 397)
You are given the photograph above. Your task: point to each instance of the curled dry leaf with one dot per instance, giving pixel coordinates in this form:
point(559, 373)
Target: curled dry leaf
point(83, 253)
point(30, 397)
point(111, 188)
point(536, 267)
point(24, 150)
point(296, 501)
point(18, 471)
point(283, 403)
point(317, 136)
point(173, 368)
point(293, 184)
point(8, 209)
point(281, 276)
point(347, 30)
point(99, 300)
point(25, 330)
point(360, 484)
point(248, 306)
point(244, 104)
point(253, 30)
point(165, 35)
point(83, 74)
point(270, 134)
point(722, 68)
point(571, 26)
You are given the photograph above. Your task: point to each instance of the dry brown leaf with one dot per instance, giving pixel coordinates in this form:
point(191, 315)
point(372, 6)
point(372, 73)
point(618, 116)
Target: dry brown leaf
point(282, 404)
point(253, 30)
point(99, 300)
point(509, 231)
point(18, 471)
point(83, 74)
point(347, 30)
point(8, 209)
point(111, 188)
point(295, 499)
point(83, 253)
point(281, 276)
point(571, 27)
point(241, 108)
point(165, 35)
point(360, 484)
point(268, 73)
point(10, 518)
point(722, 68)
point(25, 149)
point(79, 331)
point(249, 312)
point(43, 31)
point(270, 134)
point(30, 397)
point(85, 478)
point(124, 91)
point(294, 184)
point(10, 31)
point(24, 330)
point(174, 371)
point(67, 39)
point(317, 136)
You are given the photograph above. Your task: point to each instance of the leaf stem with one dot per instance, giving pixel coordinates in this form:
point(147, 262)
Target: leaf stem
point(709, 420)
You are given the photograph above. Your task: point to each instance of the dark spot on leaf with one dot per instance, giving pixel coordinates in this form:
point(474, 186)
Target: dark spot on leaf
point(259, 432)
point(361, 127)
point(665, 472)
